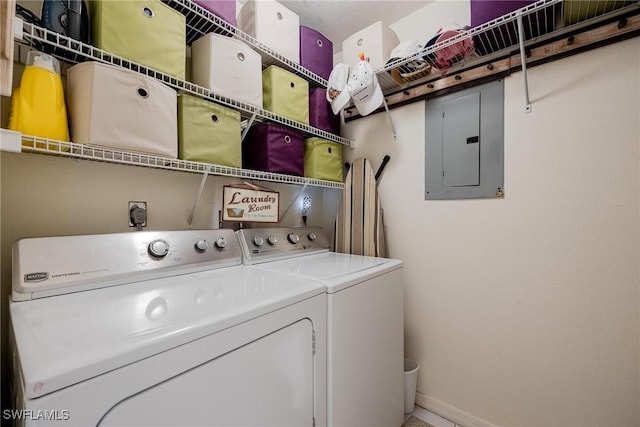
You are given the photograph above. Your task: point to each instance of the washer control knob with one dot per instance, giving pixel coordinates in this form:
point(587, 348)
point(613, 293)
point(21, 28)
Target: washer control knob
point(221, 242)
point(201, 245)
point(272, 240)
point(293, 238)
point(158, 248)
point(312, 236)
point(258, 241)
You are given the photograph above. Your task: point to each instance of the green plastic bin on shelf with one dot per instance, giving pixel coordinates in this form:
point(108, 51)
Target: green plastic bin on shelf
point(580, 10)
point(208, 132)
point(285, 94)
point(323, 159)
point(147, 32)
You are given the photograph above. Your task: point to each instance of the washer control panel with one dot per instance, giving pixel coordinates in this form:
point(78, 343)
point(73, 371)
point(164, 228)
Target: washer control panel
point(54, 265)
point(268, 244)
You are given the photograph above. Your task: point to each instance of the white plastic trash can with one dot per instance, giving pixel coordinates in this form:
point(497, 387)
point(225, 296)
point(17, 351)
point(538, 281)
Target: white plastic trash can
point(410, 379)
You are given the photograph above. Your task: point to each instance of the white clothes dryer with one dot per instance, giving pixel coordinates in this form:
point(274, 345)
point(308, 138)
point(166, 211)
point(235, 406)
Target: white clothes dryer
point(365, 358)
point(162, 329)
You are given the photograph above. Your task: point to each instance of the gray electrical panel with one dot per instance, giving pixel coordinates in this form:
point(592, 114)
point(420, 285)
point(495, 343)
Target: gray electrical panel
point(464, 144)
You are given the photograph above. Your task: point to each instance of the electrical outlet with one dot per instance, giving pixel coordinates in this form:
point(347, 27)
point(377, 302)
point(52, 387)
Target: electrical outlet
point(134, 210)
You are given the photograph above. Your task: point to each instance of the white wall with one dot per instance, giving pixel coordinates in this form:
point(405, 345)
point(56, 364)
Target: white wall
point(525, 311)
point(423, 24)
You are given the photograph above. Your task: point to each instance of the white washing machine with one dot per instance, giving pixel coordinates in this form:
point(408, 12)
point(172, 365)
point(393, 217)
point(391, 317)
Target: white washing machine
point(162, 329)
point(365, 362)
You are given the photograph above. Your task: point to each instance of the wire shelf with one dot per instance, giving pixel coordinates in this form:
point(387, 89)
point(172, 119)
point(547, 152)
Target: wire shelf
point(73, 51)
point(201, 22)
point(34, 144)
point(468, 47)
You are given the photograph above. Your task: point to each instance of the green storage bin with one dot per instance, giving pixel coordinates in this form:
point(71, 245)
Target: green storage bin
point(322, 159)
point(208, 132)
point(580, 10)
point(285, 94)
point(147, 32)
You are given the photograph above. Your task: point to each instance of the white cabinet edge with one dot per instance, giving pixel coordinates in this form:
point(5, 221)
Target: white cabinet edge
point(10, 141)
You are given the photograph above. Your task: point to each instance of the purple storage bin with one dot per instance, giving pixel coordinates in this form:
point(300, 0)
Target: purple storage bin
point(482, 11)
point(273, 148)
point(316, 52)
point(320, 114)
point(225, 9)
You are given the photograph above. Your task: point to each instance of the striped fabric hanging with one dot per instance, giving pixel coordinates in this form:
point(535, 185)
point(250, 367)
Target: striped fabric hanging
point(359, 224)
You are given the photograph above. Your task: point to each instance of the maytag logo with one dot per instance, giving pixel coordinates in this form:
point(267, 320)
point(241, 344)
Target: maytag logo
point(36, 277)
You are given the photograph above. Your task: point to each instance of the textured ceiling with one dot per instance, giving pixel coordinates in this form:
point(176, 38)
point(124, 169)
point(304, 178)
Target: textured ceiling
point(337, 19)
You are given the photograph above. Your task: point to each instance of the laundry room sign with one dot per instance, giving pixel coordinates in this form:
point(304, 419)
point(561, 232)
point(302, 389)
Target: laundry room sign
point(247, 203)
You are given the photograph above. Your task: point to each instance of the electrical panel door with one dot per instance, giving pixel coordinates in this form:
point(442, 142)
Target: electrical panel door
point(464, 144)
point(461, 141)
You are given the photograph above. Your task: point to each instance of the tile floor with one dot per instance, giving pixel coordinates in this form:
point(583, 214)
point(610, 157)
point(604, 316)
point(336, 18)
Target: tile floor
point(431, 418)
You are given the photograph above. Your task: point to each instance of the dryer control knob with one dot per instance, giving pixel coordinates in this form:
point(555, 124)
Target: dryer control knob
point(312, 236)
point(258, 241)
point(272, 240)
point(158, 248)
point(201, 245)
point(293, 238)
point(221, 242)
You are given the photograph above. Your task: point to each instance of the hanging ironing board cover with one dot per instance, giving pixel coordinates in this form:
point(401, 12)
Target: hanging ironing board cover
point(359, 223)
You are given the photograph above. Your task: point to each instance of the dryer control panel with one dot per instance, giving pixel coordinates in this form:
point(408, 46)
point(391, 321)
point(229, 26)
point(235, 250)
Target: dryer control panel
point(50, 266)
point(269, 244)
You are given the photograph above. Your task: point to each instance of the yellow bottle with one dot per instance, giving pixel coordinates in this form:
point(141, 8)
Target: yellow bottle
point(37, 106)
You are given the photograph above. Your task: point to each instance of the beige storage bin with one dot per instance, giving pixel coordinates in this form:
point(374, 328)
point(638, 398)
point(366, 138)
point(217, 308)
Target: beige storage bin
point(285, 94)
point(118, 108)
point(273, 25)
point(147, 32)
point(228, 67)
point(376, 41)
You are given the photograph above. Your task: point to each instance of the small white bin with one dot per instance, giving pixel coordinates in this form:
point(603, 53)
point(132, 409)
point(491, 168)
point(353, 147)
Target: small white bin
point(272, 24)
point(376, 42)
point(410, 380)
point(228, 67)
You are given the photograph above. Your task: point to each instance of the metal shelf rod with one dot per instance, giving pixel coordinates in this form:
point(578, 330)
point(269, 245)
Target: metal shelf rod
point(523, 60)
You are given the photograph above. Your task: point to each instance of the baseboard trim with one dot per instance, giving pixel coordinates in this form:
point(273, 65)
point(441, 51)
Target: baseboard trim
point(451, 413)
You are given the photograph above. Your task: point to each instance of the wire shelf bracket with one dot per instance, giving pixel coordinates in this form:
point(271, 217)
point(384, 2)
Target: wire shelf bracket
point(203, 181)
point(523, 60)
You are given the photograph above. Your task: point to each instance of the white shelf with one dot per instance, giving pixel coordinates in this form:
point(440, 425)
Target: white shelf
point(38, 145)
point(72, 51)
point(542, 21)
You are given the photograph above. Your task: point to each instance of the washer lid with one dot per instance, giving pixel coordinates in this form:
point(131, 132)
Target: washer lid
point(336, 270)
point(66, 339)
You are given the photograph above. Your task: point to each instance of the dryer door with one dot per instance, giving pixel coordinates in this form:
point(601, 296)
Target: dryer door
point(267, 382)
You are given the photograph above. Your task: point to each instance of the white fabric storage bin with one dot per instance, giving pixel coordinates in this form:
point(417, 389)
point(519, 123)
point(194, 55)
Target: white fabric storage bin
point(273, 25)
point(118, 108)
point(376, 41)
point(228, 67)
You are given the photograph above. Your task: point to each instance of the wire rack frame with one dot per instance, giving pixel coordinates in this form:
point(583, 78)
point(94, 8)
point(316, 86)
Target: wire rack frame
point(71, 50)
point(495, 35)
point(489, 39)
point(201, 22)
point(34, 144)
